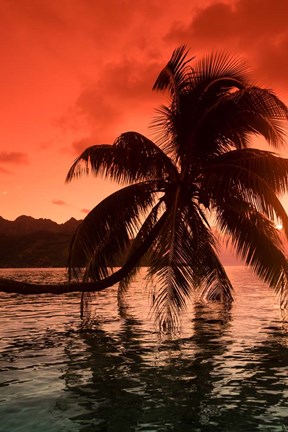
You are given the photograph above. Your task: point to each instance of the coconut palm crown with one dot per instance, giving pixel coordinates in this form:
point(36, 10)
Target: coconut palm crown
point(200, 163)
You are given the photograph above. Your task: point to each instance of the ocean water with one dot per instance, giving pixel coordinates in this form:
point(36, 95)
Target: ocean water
point(225, 370)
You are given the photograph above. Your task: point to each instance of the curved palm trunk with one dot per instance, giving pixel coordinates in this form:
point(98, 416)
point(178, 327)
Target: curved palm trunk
point(17, 287)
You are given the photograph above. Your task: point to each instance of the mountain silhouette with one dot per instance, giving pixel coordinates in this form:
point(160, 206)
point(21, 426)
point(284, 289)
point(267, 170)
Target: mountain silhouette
point(27, 225)
point(29, 242)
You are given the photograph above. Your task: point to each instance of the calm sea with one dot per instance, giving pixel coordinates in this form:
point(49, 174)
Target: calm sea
point(226, 370)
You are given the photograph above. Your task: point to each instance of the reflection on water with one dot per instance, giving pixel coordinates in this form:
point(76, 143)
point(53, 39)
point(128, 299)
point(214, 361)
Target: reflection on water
point(226, 371)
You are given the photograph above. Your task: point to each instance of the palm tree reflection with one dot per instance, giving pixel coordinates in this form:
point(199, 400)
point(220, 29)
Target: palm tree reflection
point(130, 382)
point(135, 381)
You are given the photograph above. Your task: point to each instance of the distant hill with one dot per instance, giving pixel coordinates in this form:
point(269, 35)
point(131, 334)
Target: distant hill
point(29, 242)
point(24, 225)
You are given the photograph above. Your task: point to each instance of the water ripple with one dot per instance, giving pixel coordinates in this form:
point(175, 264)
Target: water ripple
point(225, 370)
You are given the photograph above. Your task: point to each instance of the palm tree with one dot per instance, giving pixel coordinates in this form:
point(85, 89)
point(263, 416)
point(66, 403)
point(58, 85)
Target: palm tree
point(201, 163)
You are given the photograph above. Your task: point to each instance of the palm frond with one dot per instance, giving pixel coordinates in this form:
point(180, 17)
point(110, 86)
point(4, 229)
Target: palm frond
point(104, 235)
point(202, 88)
point(163, 127)
point(220, 70)
point(184, 261)
point(226, 181)
point(142, 234)
point(169, 257)
point(213, 282)
point(251, 110)
point(131, 158)
point(265, 164)
point(264, 113)
point(257, 242)
point(101, 154)
point(174, 76)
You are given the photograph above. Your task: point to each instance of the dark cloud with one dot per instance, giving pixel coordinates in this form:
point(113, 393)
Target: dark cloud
point(105, 24)
point(13, 157)
point(85, 211)
point(258, 29)
point(97, 107)
point(120, 87)
point(123, 91)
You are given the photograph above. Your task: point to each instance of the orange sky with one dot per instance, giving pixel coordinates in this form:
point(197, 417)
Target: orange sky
point(79, 72)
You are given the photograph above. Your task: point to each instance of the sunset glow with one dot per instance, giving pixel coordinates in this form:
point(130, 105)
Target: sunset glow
point(80, 73)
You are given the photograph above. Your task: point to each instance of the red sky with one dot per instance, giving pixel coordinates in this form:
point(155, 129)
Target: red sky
point(79, 72)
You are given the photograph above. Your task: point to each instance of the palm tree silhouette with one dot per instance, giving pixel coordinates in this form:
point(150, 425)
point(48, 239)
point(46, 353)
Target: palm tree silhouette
point(201, 162)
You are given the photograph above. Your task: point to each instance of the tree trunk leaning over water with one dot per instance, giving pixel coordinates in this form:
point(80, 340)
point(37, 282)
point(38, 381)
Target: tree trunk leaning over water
point(17, 287)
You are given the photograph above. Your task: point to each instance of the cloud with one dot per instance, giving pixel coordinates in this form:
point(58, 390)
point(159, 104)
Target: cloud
point(119, 97)
point(123, 89)
point(5, 171)
point(13, 157)
point(59, 202)
point(258, 29)
point(78, 146)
